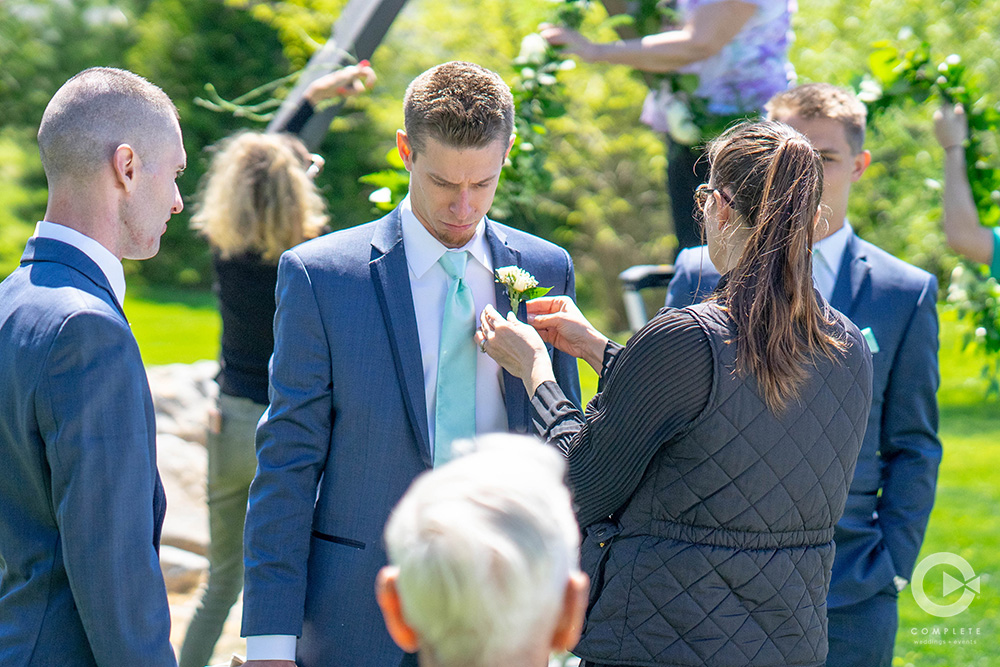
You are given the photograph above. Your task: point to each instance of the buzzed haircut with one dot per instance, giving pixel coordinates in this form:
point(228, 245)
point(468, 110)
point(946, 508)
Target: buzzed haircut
point(96, 111)
point(824, 100)
point(460, 104)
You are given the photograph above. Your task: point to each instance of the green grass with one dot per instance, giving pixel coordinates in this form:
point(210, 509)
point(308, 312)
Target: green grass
point(173, 325)
point(965, 520)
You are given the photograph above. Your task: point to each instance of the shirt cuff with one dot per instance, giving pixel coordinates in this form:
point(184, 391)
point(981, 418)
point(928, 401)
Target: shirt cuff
point(611, 352)
point(271, 647)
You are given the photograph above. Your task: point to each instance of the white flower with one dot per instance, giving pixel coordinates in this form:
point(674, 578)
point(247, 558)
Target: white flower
point(870, 91)
point(516, 278)
point(680, 123)
point(381, 196)
point(533, 48)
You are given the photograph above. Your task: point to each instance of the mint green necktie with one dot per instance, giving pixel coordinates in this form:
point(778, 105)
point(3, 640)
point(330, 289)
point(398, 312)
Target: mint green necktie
point(455, 407)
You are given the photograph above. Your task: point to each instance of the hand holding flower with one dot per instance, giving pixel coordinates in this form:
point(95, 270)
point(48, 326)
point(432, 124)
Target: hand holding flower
point(516, 346)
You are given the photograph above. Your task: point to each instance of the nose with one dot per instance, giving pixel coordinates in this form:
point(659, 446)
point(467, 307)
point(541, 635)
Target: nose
point(462, 207)
point(178, 202)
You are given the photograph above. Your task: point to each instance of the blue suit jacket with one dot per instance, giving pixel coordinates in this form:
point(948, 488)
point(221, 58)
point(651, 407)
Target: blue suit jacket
point(879, 536)
point(81, 503)
point(346, 433)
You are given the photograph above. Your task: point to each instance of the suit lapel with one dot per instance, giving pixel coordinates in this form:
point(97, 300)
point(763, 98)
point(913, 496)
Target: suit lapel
point(51, 250)
point(851, 278)
point(518, 416)
point(391, 279)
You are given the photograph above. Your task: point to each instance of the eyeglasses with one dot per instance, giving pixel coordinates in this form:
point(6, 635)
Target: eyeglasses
point(316, 163)
point(702, 193)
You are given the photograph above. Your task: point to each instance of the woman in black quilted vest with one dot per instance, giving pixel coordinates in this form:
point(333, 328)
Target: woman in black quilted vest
point(710, 469)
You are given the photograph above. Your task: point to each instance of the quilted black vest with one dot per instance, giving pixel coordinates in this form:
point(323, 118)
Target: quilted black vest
point(722, 555)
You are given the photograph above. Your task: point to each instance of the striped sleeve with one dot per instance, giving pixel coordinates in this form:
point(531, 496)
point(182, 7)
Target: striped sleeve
point(651, 390)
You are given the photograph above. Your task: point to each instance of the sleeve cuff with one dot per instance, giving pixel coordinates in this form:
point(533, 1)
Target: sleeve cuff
point(995, 265)
point(271, 647)
point(611, 352)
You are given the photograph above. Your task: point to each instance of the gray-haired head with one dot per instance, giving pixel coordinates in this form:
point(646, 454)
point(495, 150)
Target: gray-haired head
point(485, 548)
point(96, 111)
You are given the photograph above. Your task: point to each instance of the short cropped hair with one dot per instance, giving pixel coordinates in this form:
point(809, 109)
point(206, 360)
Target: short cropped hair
point(485, 546)
point(460, 104)
point(258, 197)
point(96, 111)
point(824, 100)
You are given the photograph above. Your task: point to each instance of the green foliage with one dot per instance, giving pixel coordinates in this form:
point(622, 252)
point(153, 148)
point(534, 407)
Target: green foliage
point(906, 75)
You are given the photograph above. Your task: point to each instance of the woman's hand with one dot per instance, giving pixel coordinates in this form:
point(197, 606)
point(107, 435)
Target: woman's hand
point(571, 40)
point(344, 82)
point(561, 324)
point(951, 126)
point(516, 347)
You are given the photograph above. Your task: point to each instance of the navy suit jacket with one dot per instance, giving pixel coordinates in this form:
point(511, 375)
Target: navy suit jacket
point(346, 433)
point(81, 504)
point(879, 536)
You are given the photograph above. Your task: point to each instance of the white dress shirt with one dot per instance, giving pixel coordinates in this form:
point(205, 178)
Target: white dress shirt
point(110, 265)
point(832, 251)
point(429, 286)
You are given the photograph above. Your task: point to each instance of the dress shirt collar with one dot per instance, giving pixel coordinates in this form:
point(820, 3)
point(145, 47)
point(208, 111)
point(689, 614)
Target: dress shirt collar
point(110, 265)
point(423, 250)
point(834, 245)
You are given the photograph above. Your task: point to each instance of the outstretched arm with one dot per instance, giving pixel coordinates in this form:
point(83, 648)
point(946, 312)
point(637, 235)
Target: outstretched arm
point(709, 29)
point(961, 220)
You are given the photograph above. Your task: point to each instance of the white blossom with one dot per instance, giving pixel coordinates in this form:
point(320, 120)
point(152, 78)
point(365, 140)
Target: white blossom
point(533, 48)
point(516, 278)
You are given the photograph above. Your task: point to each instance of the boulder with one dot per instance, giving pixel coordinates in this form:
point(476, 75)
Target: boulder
point(183, 394)
point(182, 570)
point(183, 467)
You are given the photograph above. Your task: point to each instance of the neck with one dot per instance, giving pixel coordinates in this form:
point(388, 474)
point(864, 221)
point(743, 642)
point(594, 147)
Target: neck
point(82, 210)
point(831, 228)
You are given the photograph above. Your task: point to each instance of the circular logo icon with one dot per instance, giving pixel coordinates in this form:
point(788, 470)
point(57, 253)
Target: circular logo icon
point(969, 585)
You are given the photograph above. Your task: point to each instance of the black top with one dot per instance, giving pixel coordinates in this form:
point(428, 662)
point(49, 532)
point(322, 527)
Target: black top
point(650, 390)
point(245, 286)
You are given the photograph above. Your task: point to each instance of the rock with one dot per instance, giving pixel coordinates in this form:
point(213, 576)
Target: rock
point(183, 467)
point(182, 397)
point(182, 570)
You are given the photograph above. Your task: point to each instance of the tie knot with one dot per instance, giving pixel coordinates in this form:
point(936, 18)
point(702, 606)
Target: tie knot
point(454, 263)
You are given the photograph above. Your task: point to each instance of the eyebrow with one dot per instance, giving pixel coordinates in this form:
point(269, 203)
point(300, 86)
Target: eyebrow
point(447, 182)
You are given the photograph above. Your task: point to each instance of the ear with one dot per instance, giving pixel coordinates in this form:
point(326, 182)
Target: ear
point(509, 146)
point(125, 163)
point(387, 596)
point(861, 162)
point(405, 149)
point(570, 623)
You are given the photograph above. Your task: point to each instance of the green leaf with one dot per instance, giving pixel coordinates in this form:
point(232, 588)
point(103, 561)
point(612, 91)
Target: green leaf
point(535, 292)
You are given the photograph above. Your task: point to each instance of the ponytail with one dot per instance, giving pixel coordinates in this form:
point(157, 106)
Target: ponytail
point(777, 180)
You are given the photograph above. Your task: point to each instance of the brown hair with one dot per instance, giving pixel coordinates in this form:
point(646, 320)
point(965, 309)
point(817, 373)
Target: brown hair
point(257, 196)
point(775, 178)
point(824, 100)
point(460, 104)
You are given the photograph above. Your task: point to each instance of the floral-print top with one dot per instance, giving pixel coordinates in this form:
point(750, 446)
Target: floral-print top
point(745, 74)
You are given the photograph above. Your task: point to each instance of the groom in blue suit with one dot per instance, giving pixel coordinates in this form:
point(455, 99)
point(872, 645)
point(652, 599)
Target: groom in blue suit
point(81, 504)
point(892, 494)
point(375, 372)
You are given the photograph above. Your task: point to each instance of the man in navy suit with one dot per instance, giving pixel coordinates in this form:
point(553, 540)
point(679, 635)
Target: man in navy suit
point(366, 326)
point(81, 504)
point(893, 303)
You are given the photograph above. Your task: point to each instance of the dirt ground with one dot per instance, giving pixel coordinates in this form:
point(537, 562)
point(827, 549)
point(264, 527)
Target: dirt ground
point(182, 608)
